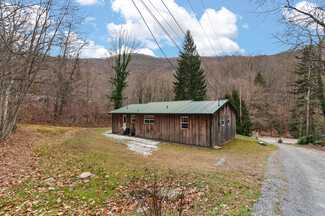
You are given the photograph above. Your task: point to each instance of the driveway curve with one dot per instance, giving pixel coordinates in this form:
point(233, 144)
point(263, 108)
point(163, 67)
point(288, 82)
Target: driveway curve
point(294, 183)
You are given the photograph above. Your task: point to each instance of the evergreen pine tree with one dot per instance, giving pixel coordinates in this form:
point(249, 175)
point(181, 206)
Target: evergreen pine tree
point(243, 127)
point(259, 80)
point(190, 78)
point(261, 108)
point(297, 125)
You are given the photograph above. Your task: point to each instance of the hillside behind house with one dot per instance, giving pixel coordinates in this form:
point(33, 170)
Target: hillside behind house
point(151, 79)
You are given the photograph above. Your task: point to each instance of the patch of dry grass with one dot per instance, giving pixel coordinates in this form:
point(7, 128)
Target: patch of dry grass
point(229, 189)
point(241, 153)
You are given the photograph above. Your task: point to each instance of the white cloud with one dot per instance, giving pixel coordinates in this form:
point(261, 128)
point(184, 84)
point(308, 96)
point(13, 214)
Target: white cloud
point(298, 18)
point(89, 19)
point(25, 23)
point(245, 26)
point(145, 51)
point(224, 23)
point(87, 49)
point(90, 2)
point(92, 50)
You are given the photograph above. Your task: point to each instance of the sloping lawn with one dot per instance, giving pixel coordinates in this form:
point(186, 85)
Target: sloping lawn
point(127, 183)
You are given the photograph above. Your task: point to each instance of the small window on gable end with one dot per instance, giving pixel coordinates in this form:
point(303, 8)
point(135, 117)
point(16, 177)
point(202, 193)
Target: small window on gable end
point(223, 122)
point(149, 119)
point(132, 118)
point(184, 122)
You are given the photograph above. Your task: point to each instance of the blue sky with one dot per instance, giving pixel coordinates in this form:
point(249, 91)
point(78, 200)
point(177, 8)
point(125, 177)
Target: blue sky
point(238, 28)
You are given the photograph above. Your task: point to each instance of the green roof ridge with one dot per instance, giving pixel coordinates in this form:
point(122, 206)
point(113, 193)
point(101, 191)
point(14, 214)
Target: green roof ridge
point(173, 107)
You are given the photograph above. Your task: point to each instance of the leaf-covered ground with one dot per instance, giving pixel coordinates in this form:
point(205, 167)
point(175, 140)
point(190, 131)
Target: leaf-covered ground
point(124, 179)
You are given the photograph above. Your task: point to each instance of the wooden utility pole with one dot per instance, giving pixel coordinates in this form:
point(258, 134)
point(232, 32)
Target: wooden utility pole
point(308, 105)
point(240, 113)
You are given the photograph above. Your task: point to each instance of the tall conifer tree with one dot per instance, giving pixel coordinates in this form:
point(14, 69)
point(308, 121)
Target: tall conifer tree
point(297, 126)
point(190, 78)
point(243, 125)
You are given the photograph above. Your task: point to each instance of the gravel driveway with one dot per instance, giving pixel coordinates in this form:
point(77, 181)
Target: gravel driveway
point(294, 184)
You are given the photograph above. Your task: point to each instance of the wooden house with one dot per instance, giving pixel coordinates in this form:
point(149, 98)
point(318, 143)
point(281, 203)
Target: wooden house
point(200, 123)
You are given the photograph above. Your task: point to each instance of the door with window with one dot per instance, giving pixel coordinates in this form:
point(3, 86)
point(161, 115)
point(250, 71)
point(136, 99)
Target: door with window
point(124, 119)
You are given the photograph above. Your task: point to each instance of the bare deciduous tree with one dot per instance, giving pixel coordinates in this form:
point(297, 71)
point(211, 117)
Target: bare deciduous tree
point(66, 70)
point(28, 34)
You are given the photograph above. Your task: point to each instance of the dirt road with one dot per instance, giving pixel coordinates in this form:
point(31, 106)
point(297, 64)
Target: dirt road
point(294, 184)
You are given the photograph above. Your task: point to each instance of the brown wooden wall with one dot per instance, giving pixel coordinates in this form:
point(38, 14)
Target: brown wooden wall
point(223, 133)
point(167, 127)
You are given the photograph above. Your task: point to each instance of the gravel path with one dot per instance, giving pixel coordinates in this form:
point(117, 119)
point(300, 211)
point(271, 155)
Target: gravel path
point(138, 145)
point(294, 184)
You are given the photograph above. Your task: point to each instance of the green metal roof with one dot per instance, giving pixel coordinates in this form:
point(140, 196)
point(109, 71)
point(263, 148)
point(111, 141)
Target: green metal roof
point(173, 107)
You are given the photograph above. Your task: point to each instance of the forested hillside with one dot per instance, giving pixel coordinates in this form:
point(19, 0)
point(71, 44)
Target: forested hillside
point(80, 98)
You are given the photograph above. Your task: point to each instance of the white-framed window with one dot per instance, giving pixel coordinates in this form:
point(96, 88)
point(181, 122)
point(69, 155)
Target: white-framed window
point(223, 122)
point(149, 119)
point(124, 119)
point(184, 122)
point(132, 118)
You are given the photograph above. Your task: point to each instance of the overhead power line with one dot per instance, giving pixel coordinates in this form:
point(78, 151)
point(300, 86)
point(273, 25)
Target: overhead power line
point(173, 16)
point(160, 25)
point(202, 27)
point(152, 34)
point(215, 33)
point(165, 20)
point(185, 35)
point(172, 39)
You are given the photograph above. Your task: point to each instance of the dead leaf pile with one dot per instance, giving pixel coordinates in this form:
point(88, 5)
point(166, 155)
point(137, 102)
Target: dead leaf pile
point(16, 156)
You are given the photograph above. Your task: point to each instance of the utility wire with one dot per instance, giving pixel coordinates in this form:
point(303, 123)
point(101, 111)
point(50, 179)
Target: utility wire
point(212, 26)
point(164, 19)
point(209, 42)
point(213, 29)
point(160, 25)
point(152, 34)
point(202, 27)
point(200, 56)
point(176, 45)
point(173, 16)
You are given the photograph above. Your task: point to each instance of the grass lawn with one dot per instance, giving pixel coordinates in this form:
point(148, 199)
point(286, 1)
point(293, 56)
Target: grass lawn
point(121, 175)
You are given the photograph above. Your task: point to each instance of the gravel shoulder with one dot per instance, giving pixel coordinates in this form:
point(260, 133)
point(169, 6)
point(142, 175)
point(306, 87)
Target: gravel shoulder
point(294, 183)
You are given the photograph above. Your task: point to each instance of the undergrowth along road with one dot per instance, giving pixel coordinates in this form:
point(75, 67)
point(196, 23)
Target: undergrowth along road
point(51, 186)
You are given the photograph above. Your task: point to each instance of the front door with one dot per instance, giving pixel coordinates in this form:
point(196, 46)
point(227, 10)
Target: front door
point(124, 125)
point(124, 122)
point(124, 119)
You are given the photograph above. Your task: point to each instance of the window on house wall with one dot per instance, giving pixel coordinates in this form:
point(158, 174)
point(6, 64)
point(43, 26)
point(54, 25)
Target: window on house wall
point(149, 119)
point(184, 122)
point(223, 122)
point(124, 119)
point(228, 121)
point(132, 118)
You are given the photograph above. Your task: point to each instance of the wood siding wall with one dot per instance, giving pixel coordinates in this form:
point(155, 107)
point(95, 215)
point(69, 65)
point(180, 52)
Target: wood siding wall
point(223, 133)
point(167, 127)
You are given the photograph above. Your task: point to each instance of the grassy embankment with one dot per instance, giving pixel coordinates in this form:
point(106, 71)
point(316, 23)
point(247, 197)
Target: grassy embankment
point(64, 153)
